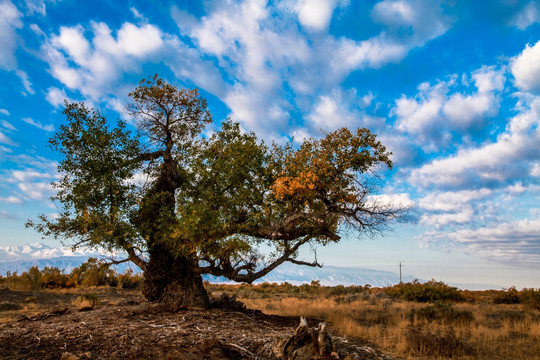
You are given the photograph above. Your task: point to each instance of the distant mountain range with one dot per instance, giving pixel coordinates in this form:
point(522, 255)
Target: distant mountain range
point(21, 258)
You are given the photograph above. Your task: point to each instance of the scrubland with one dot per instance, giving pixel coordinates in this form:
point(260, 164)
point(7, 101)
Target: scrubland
point(414, 320)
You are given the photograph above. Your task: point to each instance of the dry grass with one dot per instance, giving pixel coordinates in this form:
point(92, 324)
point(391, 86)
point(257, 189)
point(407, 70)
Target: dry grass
point(464, 331)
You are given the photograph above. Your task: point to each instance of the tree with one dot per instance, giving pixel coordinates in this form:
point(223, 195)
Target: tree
point(209, 203)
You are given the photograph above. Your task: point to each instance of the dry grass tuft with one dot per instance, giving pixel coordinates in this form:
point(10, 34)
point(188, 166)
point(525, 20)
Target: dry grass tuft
point(85, 302)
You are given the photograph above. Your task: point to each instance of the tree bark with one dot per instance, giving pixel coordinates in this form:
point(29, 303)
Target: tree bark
point(173, 280)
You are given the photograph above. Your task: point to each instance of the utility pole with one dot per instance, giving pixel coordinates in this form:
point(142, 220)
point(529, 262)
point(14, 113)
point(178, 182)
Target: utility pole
point(401, 282)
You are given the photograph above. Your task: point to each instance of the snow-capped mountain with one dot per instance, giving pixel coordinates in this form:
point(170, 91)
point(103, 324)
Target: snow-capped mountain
point(21, 258)
point(327, 275)
point(42, 251)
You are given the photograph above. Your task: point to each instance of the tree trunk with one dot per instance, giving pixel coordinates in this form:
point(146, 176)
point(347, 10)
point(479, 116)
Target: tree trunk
point(173, 280)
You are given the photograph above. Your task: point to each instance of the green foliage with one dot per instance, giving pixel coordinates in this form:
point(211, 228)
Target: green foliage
point(97, 200)
point(430, 291)
point(207, 200)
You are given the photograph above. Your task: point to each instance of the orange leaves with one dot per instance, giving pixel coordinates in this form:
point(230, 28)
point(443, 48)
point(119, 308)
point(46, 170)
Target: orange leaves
point(325, 171)
point(303, 183)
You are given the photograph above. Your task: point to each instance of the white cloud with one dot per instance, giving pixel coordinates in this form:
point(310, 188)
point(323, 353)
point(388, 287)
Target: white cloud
point(94, 66)
point(26, 81)
point(4, 139)
point(515, 242)
point(4, 112)
point(529, 15)
point(257, 53)
point(464, 217)
point(373, 53)
point(7, 125)
point(340, 108)
point(452, 207)
point(452, 200)
point(10, 21)
point(511, 157)
point(37, 190)
point(56, 96)
point(420, 114)
point(38, 6)
point(12, 200)
point(526, 68)
point(435, 111)
point(39, 125)
point(315, 14)
point(409, 17)
point(394, 201)
point(139, 41)
point(33, 182)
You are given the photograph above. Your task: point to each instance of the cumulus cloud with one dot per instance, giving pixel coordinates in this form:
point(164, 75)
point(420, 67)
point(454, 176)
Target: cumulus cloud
point(261, 52)
point(341, 108)
point(94, 66)
point(508, 159)
point(526, 68)
point(10, 21)
point(56, 96)
point(435, 111)
point(315, 14)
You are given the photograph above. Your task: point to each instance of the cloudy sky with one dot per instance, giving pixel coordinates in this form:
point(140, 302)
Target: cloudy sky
point(451, 87)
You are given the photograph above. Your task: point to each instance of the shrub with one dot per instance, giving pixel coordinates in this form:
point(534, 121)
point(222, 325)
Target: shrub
point(530, 297)
point(430, 291)
point(507, 296)
point(53, 277)
point(92, 273)
point(129, 280)
point(442, 313)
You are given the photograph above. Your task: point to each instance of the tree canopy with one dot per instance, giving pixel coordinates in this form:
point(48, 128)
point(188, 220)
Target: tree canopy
point(206, 204)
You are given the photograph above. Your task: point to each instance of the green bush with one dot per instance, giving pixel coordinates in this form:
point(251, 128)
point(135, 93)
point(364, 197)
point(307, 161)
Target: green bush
point(431, 291)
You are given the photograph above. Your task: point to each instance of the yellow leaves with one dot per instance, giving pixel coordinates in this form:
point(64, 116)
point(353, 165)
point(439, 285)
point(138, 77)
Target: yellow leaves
point(301, 184)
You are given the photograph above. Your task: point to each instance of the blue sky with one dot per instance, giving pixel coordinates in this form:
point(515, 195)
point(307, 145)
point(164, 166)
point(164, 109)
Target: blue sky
point(451, 87)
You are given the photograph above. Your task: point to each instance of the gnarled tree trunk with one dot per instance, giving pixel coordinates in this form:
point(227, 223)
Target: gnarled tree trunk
point(173, 280)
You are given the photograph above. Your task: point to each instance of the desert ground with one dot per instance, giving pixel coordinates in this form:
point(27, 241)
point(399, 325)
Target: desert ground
point(262, 322)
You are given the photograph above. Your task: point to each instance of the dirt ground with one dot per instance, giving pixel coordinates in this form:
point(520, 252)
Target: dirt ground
point(45, 325)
